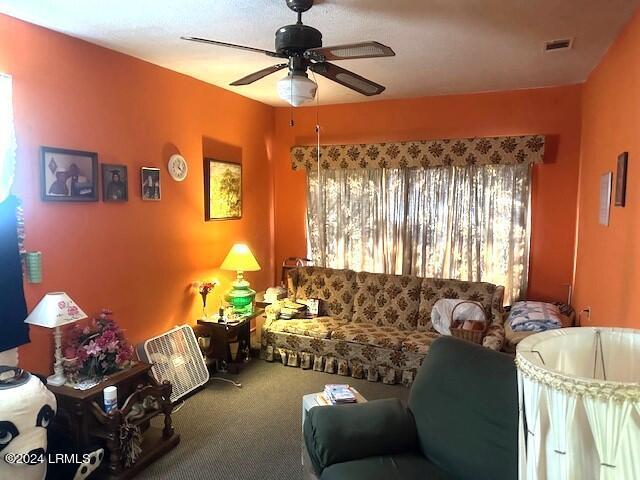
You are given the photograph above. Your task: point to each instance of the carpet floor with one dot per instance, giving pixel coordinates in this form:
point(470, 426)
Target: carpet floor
point(253, 432)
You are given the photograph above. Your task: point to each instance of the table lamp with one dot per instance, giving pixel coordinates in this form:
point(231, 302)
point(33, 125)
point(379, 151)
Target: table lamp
point(55, 310)
point(240, 259)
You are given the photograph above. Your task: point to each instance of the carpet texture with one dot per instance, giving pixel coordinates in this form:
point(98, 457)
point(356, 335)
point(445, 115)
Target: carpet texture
point(253, 432)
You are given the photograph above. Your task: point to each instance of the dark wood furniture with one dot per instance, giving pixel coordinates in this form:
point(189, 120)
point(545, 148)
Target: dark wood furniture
point(81, 418)
point(222, 335)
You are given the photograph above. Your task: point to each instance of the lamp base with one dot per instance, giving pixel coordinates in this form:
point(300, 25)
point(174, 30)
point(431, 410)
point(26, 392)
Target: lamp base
point(56, 380)
point(241, 297)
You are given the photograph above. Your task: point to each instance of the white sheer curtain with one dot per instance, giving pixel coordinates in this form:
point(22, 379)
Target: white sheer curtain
point(469, 223)
point(7, 137)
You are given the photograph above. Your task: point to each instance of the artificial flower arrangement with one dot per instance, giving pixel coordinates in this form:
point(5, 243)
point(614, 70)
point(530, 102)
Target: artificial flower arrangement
point(204, 288)
point(96, 350)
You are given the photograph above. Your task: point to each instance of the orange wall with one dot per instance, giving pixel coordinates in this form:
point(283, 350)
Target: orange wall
point(608, 258)
point(554, 112)
point(138, 258)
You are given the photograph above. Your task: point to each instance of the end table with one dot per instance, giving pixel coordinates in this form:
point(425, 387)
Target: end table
point(81, 417)
point(224, 334)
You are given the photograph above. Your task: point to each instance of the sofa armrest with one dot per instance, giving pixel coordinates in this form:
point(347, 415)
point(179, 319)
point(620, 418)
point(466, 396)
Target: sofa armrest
point(341, 433)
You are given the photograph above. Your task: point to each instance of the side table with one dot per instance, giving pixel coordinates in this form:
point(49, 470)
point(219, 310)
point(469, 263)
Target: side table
point(81, 417)
point(222, 335)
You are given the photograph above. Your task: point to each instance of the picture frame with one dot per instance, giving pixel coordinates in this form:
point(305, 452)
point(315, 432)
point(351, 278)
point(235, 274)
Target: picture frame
point(150, 188)
point(222, 190)
point(606, 181)
point(68, 175)
point(621, 180)
point(115, 183)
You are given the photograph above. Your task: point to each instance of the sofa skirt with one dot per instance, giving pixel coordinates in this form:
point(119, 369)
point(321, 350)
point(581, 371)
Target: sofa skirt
point(375, 364)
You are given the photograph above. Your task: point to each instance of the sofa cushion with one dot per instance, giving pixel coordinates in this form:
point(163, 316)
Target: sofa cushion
point(368, 334)
point(405, 466)
point(334, 287)
point(387, 300)
point(419, 342)
point(320, 327)
point(433, 289)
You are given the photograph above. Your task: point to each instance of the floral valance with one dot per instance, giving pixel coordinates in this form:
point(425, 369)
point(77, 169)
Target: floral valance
point(422, 154)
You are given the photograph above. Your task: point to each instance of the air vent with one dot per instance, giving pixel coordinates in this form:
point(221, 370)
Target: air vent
point(555, 45)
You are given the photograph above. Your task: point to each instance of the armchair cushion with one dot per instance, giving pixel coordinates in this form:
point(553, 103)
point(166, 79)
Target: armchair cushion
point(404, 466)
point(465, 404)
point(341, 433)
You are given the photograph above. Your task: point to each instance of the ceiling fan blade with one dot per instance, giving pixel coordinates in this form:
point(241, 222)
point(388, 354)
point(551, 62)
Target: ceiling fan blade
point(349, 51)
point(233, 45)
point(348, 79)
point(259, 74)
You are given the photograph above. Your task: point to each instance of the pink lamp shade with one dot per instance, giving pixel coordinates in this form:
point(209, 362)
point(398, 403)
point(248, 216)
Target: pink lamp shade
point(54, 310)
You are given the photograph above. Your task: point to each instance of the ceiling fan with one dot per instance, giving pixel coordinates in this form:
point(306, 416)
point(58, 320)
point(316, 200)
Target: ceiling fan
point(302, 46)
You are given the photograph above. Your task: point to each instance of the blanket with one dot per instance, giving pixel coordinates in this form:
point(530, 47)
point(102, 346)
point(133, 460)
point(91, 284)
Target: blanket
point(534, 317)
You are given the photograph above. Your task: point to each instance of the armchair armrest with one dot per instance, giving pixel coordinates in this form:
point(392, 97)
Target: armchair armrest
point(341, 433)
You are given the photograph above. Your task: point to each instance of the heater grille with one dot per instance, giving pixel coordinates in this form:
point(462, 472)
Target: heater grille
point(176, 357)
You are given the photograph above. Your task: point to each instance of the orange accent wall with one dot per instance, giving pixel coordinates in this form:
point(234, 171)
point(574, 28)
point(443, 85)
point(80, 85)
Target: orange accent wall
point(138, 258)
point(608, 258)
point(554, 112)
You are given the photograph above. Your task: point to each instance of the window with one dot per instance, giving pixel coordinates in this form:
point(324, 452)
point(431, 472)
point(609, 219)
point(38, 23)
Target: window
point(468, 223)
point(7, 137)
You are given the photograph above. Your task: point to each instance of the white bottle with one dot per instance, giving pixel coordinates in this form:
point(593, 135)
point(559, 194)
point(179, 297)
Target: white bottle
point(110, 398)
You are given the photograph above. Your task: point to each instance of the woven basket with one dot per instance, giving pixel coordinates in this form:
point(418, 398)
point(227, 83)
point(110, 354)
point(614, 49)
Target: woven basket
point(474, 336)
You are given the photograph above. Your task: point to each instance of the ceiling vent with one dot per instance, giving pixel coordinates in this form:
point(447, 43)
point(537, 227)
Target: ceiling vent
point(556, 45)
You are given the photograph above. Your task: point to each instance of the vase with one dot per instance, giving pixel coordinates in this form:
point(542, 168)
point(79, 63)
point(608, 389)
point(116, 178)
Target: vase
point(204, 304)
point(70, 368)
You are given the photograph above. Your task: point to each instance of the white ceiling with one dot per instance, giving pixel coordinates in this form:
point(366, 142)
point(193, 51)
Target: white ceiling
point(442, 46)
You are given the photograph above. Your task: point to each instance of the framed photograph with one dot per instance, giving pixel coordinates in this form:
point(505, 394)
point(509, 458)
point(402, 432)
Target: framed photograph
point(150, 180)
point(605, 197)
point(621, 179)
point(115, 183)
point(222, 190)
point(68, 175)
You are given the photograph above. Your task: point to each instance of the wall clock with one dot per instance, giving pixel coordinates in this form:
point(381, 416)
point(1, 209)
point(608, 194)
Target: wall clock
point(177, 167)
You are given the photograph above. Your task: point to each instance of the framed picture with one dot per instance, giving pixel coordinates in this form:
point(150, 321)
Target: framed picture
point(605, 197)
point(115, 183)
point(222, 190)
point(68, 175)
point(150, 183)
point(621, 179)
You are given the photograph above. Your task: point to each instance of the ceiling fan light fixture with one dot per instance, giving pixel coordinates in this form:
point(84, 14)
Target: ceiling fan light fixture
point(296, 88)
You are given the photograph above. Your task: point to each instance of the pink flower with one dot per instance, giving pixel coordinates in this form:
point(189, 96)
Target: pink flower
point(82, 355)
point(70, 352)
point(93, 348)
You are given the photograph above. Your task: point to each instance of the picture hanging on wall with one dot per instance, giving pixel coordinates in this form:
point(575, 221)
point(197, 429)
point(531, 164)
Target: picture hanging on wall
point(222, 190)
point(115, 183)
point(605, 197)
point(68, 175)
point(621, 179)
point(150, 179)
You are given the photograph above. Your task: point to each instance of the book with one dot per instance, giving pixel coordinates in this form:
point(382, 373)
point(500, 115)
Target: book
point(339, 393)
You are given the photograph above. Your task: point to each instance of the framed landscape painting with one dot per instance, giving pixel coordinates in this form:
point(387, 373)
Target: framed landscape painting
point(68, 175)
point(222, 190)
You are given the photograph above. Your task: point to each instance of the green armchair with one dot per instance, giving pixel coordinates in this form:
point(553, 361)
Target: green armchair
point(462, 424)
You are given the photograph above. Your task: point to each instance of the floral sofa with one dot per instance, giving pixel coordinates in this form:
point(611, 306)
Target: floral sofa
point(374, 326)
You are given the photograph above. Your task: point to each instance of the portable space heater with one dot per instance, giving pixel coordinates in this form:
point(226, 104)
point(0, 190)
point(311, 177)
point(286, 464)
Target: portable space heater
point(175, 357)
